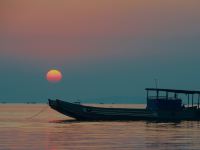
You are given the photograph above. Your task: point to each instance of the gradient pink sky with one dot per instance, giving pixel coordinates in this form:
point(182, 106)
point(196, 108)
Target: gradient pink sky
point(75, 29)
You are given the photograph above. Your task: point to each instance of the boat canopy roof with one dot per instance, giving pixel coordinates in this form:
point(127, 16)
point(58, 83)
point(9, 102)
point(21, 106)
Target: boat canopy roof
point(173, 91)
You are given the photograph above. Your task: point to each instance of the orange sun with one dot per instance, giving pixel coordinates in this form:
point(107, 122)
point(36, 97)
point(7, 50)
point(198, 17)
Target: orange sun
point(54, 76)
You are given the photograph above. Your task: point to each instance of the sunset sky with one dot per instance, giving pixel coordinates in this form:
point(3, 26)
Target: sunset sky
point(104, 48)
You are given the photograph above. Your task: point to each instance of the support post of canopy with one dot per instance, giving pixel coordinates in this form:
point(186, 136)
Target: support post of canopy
point(147, 94)
point(157, 94)
point(175, 95)
point(192, 99)
point(188, 100)
point(167, 95)
point(198, 100)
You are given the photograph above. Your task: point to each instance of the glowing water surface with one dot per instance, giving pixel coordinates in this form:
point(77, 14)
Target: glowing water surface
point(53, 131)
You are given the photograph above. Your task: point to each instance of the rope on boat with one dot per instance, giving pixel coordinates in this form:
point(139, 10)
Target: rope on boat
point(38, 113)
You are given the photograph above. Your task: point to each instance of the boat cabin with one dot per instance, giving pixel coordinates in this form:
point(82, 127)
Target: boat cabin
point(168, 99)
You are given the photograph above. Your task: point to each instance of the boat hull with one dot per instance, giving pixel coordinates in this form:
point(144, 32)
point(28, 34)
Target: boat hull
point(82, 112)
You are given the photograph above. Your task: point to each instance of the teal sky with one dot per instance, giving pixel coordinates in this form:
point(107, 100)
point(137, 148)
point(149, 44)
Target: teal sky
point(108, 51)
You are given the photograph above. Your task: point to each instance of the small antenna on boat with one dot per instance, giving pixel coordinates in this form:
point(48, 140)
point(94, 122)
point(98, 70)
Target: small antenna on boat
point(156, 82)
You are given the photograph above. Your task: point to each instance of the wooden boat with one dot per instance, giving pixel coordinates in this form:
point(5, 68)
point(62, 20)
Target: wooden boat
point(159, 107)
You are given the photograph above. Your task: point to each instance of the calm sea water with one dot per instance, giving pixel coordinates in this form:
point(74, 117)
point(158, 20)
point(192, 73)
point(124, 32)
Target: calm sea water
point(21, 130)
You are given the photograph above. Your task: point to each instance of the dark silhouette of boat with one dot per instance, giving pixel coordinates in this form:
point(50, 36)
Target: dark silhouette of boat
point(164, 105)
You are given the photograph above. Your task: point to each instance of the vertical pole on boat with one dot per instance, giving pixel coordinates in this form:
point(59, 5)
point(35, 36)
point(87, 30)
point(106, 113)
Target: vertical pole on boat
point(188, 100)
point(192, 99)
point(156, 83)
point(198, 100)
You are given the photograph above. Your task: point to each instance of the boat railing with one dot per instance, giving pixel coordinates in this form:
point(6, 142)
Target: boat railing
point(161, 98)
